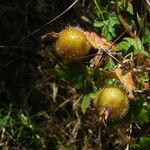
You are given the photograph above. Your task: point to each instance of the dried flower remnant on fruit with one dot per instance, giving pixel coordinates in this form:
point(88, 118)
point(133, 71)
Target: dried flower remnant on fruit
point(72, 44)
point(112, 102)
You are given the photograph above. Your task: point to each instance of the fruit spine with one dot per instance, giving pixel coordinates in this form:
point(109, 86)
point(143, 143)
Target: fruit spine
point(72, 44)
point(112, 102)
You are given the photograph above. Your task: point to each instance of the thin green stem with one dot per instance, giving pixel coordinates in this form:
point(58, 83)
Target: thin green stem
point(95, 1)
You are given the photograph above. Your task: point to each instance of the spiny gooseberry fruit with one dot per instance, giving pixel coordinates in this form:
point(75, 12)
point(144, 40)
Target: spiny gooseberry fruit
point(72, 44)
point(112, 102)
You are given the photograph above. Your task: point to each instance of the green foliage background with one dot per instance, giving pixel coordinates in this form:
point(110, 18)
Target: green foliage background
point(48, 104)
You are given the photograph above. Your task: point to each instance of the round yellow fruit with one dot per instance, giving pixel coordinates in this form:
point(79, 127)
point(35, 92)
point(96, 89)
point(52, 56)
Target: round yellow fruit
point(72, 45)
point(114, 101)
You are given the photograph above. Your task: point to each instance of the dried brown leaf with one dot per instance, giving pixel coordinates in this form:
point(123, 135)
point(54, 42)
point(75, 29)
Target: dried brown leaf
point(126, 80)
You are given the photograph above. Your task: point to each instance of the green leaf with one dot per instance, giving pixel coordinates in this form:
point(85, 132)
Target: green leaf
point(138, 45)
point(135, 147)
point(124, 45)
point(125, 6)
point(147, 37)
point(127, 43)
point(60, 73)
point(140, 20)
point(130, 8)
point(98, 24)
point(143, 116)
point(86, 101)
point(108, 30)
point(134, 43)
point(145, 143)
point(75, 73)
point(108, 26)
point(106, 33)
